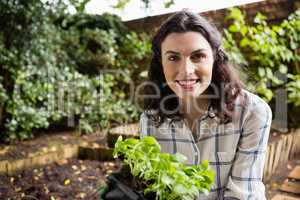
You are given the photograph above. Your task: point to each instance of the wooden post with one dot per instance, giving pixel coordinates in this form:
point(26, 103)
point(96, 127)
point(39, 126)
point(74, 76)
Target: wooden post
point(294, 142)
point(265, 173)
point(288, 139)
point(277, 154)
point(283, 153)
point(271, 158)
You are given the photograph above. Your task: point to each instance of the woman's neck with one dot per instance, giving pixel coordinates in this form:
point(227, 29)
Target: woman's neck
point(193, 108)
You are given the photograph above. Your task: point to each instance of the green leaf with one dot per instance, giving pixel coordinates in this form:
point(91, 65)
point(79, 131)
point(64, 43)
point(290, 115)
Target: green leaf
point(179, 157)
point(180, 189)
point(259, 18)
point(244, 42)
point(283, 68)
point(269, 95)
point(261, 72)
point(121, 4)
point(205, 164)
point(233, 28)
point(169, 3)
point(166, 179)
point(269, 73)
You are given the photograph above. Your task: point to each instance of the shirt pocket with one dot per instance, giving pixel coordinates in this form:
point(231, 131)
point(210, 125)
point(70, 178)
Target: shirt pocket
point(221, 163)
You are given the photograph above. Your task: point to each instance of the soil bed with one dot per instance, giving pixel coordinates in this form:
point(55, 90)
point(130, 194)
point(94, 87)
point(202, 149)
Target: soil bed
point(72, 178)
point(64, 180)
point(46, 142)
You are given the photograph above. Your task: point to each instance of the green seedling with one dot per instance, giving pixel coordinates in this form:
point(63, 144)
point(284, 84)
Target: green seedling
point(165, 174)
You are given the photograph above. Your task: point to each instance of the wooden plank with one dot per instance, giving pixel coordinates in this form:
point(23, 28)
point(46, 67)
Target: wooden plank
point(295, 173)
point(290, 139)
point(285, 153)
point(284, 197)
point(291, 187)
point(265, 173)
point(294, 141)
point(282, 157)
point(297, 139)
point(274, 165)
point(277, 154)
point(271, 158)
point(101, 153)
point(3, 166)
point(292, 146)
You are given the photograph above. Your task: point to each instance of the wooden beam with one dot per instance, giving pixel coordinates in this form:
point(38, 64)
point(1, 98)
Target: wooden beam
point(295, 173)
point(283, 197)
point(291, 187)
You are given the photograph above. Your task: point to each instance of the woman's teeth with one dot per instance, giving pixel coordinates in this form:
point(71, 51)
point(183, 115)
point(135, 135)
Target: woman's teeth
point(187, 82)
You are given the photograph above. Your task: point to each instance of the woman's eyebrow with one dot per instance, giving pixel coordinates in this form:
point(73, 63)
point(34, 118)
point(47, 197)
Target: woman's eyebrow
point(198, 51)
point(177, 53)
point(171, 52)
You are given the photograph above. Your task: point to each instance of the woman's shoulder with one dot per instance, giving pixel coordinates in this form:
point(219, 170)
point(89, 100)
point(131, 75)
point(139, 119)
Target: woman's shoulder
point(253, 99)
point(254, 104)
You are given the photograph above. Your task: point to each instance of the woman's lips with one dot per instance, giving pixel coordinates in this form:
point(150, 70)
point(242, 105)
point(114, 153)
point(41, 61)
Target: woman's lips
point(187, 84)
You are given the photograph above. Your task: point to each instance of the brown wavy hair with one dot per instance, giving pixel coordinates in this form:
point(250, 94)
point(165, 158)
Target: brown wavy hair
point(224, 77)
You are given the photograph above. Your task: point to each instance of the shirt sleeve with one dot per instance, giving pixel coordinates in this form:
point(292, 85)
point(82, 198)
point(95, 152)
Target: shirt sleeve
point(245, 179)
point(144, 126)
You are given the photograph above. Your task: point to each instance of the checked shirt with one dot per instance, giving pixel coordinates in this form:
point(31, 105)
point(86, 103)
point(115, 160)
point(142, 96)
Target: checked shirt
point(235, 151)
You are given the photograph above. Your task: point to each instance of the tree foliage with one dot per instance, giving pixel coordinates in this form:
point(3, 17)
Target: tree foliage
point(269, 53)
point(52, 68)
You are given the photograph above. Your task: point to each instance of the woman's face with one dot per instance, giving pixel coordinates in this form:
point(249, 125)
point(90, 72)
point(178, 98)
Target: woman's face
point(187, 60)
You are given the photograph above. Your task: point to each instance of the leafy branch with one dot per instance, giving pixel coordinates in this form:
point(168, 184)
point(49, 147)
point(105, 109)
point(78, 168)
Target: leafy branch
point(268, 51)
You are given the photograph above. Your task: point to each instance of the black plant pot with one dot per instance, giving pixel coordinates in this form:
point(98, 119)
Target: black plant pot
point(123, 186)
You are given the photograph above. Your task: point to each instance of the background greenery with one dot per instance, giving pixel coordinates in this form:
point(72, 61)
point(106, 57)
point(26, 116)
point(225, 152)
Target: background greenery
point(52, 67)
point(56, 66)
point(268, 54)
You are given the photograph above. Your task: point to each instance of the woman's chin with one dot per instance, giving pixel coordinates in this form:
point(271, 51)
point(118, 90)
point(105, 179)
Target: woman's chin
point(188, 94)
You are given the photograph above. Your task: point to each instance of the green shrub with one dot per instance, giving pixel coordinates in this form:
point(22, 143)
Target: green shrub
point(265, 50)
point(51, 66)
point(268, 55)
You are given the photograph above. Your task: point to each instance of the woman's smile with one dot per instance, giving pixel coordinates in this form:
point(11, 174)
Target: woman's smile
point(187, 61)
point(188, 84)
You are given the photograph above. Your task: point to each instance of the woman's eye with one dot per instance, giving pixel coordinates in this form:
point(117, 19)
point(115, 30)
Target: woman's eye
point(173, 58)
point(198, 57)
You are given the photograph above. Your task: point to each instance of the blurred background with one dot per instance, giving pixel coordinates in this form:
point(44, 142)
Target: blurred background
point(71, 77)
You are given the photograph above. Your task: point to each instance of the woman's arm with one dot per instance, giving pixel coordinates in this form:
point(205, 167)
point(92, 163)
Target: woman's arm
point(245, 180)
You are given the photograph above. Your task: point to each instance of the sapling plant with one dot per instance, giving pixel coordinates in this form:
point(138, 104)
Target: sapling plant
point(165, 174)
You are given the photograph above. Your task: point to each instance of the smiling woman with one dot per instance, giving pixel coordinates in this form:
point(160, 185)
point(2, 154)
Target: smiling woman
point(191, 70)
point(202, 110)
point(187, 67)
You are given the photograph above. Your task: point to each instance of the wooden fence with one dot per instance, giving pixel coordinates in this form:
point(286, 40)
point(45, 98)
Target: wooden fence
point(280, 151)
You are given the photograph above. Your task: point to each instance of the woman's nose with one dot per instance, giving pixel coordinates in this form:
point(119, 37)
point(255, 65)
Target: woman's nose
point(189, 67)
